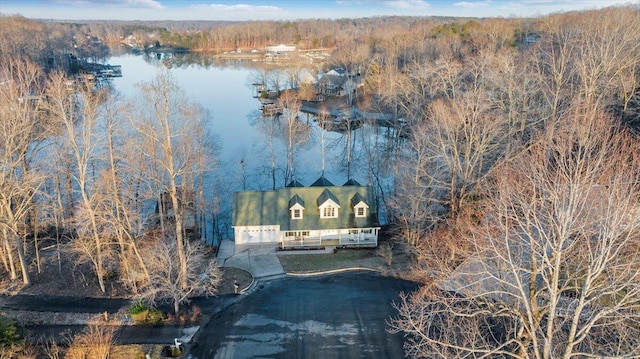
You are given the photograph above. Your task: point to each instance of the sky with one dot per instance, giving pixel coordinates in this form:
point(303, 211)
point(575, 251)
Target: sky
point(241, 10)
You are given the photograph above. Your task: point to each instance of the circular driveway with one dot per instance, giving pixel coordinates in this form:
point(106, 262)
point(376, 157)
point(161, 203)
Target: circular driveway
point(338, 316)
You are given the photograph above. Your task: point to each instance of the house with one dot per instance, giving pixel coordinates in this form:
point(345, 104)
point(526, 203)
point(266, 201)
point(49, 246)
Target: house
point(315, 216)
point(280, 48)
point(335, 85)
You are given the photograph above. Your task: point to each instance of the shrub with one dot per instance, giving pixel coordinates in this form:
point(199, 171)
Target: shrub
point(155, 317)
point(10, 332)
point(138, 307)
point(139, 311)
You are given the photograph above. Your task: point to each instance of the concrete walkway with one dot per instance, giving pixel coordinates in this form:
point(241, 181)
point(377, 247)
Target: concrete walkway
point(259, 260)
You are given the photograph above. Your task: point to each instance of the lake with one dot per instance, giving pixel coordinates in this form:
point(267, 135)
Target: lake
point(223, 87)
point(225, 91)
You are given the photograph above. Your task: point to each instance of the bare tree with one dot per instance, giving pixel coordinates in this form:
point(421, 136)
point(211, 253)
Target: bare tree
point(122, 211)
point(413, 208)
point(78, 111)
point(166, 122)
point(297, 132)
point(270, 127)
point(22, 127)
point(447, 156)
point(95, 341)
point(203, 275)
point(554, 269)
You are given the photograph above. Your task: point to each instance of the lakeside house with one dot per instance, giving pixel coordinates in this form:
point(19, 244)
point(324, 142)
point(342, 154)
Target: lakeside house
point(307, 217)
point(280, 48)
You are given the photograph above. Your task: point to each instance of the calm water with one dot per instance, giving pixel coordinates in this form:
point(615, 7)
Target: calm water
point(244, 160)
point(225, 91)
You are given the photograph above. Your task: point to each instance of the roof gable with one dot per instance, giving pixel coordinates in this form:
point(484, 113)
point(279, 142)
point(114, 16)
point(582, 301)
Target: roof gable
point(357, 200)
point(296, 200)
point(337, 71)
point(321, 182)
point(351, 182)
point(294, 183)
point(327, 196)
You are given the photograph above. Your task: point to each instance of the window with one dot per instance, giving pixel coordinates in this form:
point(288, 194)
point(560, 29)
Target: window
point(296, 234)
point(296, 213)
point(353, 231)
point(360, 209)
point(329, 212)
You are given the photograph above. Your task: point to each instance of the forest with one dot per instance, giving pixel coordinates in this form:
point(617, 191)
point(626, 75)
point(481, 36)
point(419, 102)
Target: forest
point(515, 183)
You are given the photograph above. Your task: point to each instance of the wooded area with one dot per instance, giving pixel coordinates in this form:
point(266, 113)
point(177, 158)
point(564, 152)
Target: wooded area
point(516, 177)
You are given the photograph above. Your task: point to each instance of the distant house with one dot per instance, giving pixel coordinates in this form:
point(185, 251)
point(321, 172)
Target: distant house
point(532, 38)
point(297, 216)
point(280, 48)
point(335, 85)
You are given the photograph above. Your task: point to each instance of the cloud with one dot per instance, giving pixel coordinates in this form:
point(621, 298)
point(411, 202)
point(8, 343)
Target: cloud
point(534, 2)
point(239, 7)
point(472, 5)
point(146, 4)
point(406, 4)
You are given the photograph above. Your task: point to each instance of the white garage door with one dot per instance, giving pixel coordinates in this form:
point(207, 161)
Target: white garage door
point(258, 236)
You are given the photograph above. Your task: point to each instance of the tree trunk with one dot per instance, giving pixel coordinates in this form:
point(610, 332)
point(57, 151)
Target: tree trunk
point(26, 279)
point(7, 245)
point(179, 219)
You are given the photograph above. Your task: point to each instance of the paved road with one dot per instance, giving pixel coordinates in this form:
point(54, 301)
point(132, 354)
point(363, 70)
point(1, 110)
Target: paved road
point(339, 316)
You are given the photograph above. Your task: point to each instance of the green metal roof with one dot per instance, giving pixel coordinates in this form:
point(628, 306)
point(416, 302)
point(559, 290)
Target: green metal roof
point(321, 182)
point(357, 198)
point(260, 208)
point(296, 200)
point(327, 195)
point(351, 182)
point(295, 183)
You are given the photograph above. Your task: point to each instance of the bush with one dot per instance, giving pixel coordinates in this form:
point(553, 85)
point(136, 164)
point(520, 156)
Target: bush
point(155, 317)
point(10, 332)
point(139, 311)
point(138, 307)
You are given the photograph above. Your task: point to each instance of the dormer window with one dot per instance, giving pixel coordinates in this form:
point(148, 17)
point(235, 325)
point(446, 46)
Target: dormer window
point(296, 207)
point(328, 205)
point(360, 206)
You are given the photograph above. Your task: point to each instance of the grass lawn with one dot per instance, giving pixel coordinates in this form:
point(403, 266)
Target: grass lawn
point(343, 258)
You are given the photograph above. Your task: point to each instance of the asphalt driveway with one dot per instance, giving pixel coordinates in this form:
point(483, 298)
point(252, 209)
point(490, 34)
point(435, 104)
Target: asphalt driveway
point(338, 316)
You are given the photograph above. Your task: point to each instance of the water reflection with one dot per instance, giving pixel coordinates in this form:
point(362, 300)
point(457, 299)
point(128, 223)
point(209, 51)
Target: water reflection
point(253, 148)
point(174, 60)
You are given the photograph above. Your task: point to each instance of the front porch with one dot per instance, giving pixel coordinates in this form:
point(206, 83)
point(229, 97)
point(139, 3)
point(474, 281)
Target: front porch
point(342, 241)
